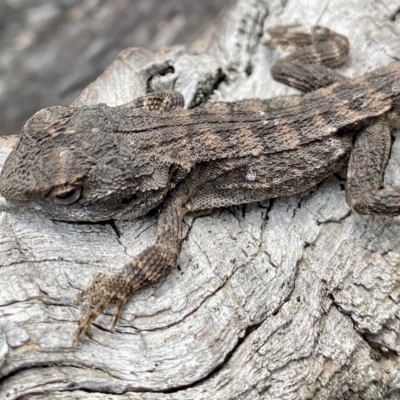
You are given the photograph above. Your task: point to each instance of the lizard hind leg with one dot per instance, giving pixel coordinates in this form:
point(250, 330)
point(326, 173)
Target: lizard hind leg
point(365, 192)
point(309, 66)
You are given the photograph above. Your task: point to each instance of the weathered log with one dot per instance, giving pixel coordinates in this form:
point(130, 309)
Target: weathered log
point(294, 298)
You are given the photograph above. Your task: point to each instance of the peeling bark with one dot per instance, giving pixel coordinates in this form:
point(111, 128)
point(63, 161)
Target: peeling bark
point(294, 298)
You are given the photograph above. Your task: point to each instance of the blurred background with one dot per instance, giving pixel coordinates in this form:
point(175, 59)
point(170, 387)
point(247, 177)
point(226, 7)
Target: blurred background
point(51, 49)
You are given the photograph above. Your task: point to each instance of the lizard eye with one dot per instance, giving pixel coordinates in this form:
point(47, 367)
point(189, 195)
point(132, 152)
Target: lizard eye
point(66, 194)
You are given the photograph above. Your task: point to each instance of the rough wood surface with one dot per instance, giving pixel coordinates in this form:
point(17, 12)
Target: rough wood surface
point(296, 298)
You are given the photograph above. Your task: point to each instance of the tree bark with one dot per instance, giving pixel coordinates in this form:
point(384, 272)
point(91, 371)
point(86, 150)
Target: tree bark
point(293, 298)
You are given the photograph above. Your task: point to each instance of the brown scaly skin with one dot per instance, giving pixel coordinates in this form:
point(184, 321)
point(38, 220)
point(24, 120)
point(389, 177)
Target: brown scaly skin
point(97, 163)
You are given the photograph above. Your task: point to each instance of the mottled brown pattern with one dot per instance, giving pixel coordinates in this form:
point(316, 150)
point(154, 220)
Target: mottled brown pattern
point(97, 163)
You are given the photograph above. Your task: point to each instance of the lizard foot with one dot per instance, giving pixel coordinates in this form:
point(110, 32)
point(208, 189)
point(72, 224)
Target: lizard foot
point(100, 293)
point(283, 36)
point(142, 270)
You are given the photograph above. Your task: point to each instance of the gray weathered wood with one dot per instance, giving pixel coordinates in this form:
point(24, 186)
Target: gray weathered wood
point(296, 298)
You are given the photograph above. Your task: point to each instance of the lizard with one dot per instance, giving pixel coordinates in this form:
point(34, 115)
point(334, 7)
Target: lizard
point(96, 163)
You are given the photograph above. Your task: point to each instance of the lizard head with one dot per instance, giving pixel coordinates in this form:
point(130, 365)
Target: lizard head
point(75, 164)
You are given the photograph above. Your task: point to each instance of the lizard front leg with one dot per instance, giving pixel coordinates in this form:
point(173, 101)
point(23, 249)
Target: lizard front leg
point(167, 100)
point(147, 267)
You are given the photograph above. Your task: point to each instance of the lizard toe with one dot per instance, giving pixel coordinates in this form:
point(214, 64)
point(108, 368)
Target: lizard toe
point(99, 294)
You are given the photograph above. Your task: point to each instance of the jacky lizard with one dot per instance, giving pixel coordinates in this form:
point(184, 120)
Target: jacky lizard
point(97, 163)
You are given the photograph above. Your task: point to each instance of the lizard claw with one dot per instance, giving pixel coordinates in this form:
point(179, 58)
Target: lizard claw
point(99, 294)
point(103, 289)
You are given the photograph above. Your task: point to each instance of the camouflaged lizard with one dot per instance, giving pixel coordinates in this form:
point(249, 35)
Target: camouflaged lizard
point(98, 163)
